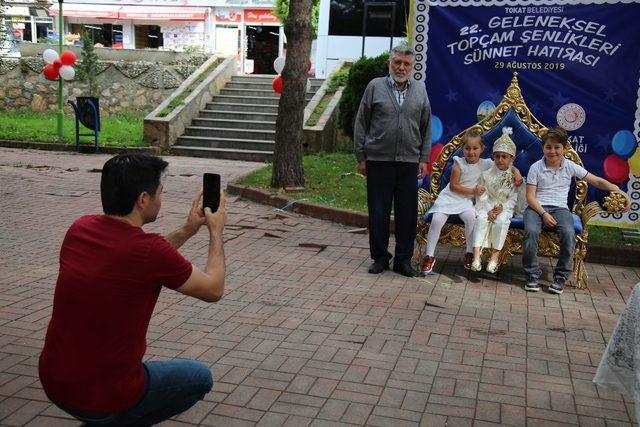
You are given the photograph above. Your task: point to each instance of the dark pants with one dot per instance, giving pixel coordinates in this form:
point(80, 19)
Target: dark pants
point(172, 387)
point(387, 182)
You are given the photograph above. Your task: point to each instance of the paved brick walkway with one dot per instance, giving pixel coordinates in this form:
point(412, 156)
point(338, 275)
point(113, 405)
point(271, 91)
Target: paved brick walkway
point(304, 336)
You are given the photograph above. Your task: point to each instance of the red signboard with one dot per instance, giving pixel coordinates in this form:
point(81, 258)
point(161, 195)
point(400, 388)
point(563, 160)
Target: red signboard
point(262, 16)
point(163, 13)
point(86, 10)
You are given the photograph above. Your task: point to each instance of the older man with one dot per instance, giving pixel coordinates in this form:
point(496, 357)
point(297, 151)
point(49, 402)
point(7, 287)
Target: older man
point(392, 139)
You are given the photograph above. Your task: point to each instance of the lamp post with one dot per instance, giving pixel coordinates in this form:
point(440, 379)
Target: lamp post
point(60, 103)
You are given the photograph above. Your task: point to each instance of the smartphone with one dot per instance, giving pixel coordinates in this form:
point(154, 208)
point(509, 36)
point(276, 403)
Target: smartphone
point(211, 191)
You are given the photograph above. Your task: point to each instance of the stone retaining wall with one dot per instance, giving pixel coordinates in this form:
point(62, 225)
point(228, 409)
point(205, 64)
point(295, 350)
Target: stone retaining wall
point(123, 85)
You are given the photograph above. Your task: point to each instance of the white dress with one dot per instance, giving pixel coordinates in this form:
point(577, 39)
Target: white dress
point(619, 368)
point(451, 203)
point(499, 189)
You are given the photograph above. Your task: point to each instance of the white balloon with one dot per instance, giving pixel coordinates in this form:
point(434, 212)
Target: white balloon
point(278, 64)
point(67, 72)
point(49, 55)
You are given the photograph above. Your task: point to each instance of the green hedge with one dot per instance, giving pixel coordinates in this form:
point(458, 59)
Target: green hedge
point(360, 74)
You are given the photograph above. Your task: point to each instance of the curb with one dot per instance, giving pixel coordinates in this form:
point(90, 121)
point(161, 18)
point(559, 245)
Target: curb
point(54, 146)
point(315, 210)
point(628, 256)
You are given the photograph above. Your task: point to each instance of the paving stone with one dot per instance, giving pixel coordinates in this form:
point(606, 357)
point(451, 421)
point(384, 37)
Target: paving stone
point(308, 337)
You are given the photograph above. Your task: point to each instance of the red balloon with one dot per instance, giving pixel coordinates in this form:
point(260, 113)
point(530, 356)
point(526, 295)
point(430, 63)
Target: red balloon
point(277, 84)
point(50, 72)
point(68, 58)
point(57, 64)
point(433, 156)
point(616, 169)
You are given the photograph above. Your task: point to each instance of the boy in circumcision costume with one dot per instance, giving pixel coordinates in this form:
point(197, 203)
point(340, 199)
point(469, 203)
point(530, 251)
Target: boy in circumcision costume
point(495, 207)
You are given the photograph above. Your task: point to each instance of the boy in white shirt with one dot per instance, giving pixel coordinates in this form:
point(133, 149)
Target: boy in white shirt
point(548, 183)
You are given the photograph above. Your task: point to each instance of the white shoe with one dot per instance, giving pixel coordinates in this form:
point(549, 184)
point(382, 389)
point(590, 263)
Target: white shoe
point(476, 265)
point(492, 266)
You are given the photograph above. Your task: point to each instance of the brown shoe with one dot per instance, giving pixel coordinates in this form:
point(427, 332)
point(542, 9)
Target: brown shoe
point(468, 260)
point(427, 267)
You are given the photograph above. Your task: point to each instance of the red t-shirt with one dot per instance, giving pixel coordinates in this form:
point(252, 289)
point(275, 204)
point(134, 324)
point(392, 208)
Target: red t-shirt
point(110, 277)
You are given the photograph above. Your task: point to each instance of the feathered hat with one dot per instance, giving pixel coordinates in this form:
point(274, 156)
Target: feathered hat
point(505, 144)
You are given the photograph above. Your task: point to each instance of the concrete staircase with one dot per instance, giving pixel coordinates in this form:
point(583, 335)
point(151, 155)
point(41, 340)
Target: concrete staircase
point(238, 124)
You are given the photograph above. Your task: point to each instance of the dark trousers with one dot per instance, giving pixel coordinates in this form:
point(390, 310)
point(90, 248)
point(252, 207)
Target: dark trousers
point(387, 182)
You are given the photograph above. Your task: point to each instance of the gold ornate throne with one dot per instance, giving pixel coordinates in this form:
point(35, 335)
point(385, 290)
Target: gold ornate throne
point(528, 131)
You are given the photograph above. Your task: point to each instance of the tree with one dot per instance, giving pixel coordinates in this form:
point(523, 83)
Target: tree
point(88, 68)
point(281, 11)
point(287, 157)
point(4, 30)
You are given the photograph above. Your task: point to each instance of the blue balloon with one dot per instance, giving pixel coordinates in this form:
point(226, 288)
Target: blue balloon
point(624, 144)
point(436, 129)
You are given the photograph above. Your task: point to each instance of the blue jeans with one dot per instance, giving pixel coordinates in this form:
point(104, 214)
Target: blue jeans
point(533, 227)
point(172, 387)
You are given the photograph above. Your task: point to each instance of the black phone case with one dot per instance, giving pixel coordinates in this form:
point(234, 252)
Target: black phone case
point(211, 191)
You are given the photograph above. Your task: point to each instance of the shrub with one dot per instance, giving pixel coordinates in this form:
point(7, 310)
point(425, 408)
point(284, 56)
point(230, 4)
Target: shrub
point(360, 74)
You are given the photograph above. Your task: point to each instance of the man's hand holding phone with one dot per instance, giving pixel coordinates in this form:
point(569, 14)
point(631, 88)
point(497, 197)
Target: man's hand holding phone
point(216, 220)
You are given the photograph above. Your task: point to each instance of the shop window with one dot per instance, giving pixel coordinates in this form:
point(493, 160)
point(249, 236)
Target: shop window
point(43, 30)
point(148, 37)
point(102, 35)
point(345, 18)
point(20, 28)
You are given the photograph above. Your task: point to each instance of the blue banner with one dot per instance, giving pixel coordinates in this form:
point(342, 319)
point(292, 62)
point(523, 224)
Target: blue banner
point(578, 66)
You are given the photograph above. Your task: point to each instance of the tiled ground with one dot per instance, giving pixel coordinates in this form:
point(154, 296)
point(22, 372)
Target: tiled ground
point(304, 336)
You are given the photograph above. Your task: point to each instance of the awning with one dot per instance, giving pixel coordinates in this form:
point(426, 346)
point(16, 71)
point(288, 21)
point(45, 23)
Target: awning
point(86, 10)
point(163, 13)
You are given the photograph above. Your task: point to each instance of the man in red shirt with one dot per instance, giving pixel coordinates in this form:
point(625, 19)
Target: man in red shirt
point(111, 273)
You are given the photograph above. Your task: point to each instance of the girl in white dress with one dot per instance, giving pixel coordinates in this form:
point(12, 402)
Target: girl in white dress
point(457, 198)
point(495, 207)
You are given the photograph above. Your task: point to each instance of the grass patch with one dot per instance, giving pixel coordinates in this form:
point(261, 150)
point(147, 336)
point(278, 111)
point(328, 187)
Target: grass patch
point(331, 179)
point(610, 236)
point(120, 130)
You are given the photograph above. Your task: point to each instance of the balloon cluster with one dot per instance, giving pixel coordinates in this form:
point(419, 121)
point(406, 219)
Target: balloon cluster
point(278, 65)
point(59, 65)
point(617, 166)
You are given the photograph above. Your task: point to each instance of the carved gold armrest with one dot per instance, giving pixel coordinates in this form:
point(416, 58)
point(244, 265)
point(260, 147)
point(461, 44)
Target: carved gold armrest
point(615, 202)
point(423, 202)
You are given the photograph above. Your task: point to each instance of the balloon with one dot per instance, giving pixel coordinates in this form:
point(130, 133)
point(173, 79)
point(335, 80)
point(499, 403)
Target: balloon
point(68, 58)
point(433, 156)
point(634, 163)
point(50, 72)
point(278, 64)
point(624, 144)
point(308, 65)
point(436, 129)
point(277, 84)
point(67, 72)
point(57, 63)
point(49, 55)
point(615, 169)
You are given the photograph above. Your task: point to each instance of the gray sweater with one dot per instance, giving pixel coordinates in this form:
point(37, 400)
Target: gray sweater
point(386, 131)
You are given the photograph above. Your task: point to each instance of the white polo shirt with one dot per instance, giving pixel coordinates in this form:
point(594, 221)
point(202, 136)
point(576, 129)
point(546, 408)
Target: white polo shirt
point(552, 186)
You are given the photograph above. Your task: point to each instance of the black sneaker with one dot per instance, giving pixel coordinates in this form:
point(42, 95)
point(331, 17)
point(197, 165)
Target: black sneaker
point(378, 267)
point(532, 285)
point(556, 287)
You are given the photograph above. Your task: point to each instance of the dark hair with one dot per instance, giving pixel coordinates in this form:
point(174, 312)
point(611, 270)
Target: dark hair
point(557, 134)
point(125, 177)
point(472, 134)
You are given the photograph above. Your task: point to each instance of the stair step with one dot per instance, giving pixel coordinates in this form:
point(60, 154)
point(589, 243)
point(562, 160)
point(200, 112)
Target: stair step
point(218, 113)
point(229, 106)
point(230, 143)
point(262, 135)
point(234, 124)
point(246, 100)
point(223, 153)
point(261, 86)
